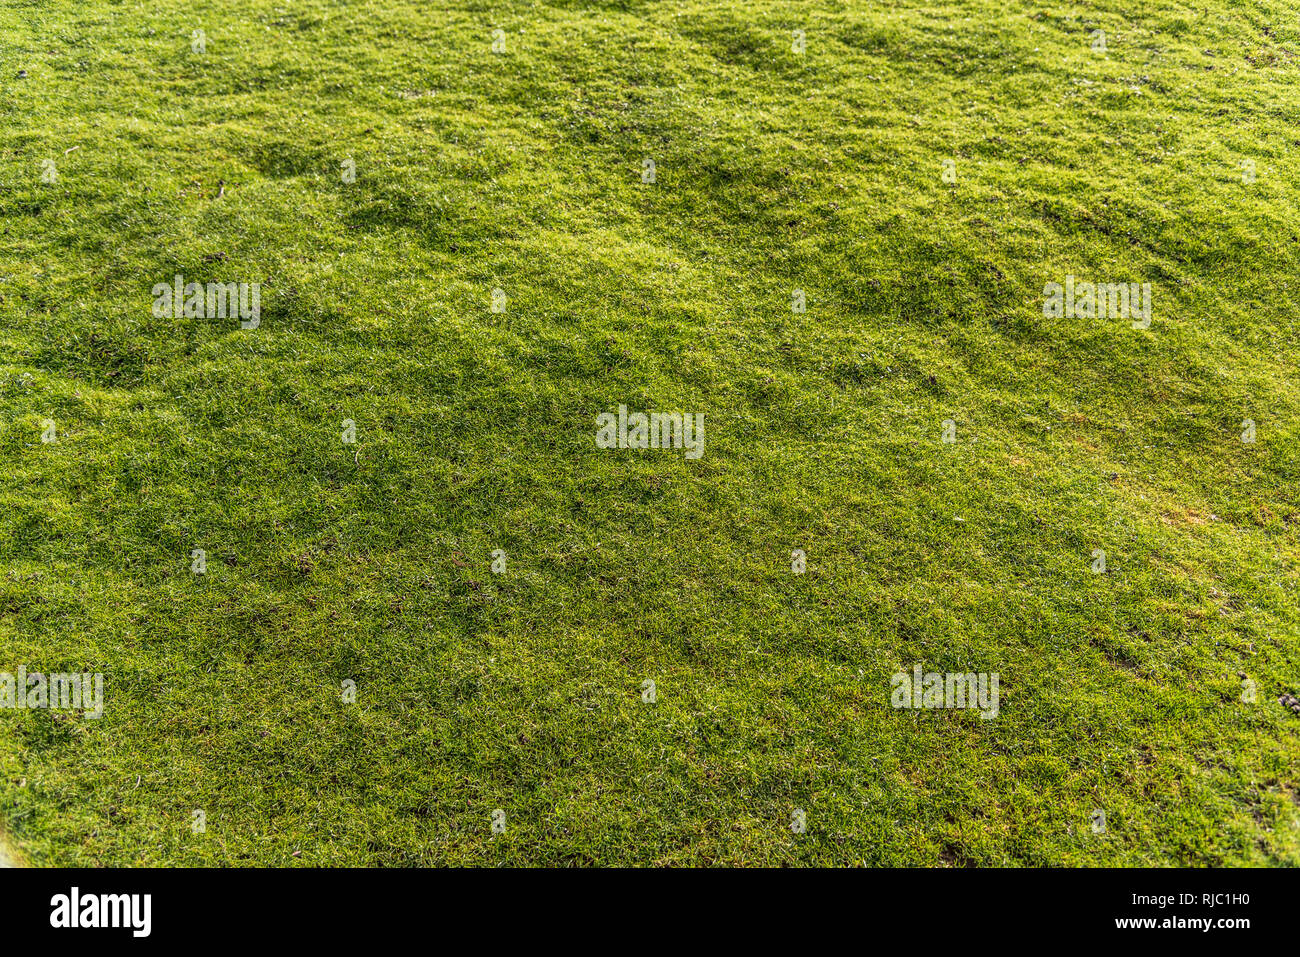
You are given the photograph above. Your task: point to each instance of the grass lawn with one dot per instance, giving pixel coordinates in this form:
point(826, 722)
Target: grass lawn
point(502, 268)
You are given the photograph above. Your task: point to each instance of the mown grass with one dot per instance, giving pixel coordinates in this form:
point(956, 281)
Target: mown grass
point(775, 171)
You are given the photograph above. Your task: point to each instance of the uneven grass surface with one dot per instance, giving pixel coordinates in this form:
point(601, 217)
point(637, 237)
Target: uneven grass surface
point(775, 171)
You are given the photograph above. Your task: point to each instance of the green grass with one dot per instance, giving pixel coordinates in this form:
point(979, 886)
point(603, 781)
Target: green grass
point(775, 171)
